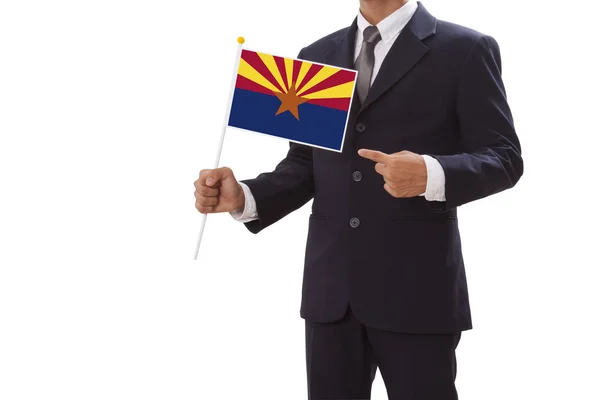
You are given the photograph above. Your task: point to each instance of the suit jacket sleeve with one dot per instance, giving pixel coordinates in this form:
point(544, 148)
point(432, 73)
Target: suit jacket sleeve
point(490, 159)
point(287, 188)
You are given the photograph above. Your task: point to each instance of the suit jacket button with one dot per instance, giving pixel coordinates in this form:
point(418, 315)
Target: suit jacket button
point(357, 176)
point(360, 127)
point(354, 222)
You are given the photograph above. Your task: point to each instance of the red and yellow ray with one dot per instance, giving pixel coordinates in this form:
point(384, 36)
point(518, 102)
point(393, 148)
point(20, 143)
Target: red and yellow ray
point(295, 82)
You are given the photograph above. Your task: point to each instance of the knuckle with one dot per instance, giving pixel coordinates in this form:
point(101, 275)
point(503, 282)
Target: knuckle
point(391, 190)
point(203, 209)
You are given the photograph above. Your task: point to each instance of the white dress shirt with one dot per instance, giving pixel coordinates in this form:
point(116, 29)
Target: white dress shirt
point(389, 28)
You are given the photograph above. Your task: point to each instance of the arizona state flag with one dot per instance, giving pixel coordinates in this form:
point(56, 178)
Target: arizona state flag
point(303, 102)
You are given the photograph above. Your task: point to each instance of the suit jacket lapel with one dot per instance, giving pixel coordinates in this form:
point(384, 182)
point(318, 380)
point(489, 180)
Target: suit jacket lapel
point(342, 55)
point(406, 52)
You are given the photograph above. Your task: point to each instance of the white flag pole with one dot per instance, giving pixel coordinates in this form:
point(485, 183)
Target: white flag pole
point(238, 55)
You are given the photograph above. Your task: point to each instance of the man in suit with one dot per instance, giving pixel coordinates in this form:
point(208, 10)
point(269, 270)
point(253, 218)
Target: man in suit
point(384, 282)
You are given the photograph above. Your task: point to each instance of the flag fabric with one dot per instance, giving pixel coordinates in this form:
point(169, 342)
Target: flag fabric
point(297, 100)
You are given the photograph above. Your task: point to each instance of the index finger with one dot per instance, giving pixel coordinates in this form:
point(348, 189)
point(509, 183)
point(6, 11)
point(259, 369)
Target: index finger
point(374, 155)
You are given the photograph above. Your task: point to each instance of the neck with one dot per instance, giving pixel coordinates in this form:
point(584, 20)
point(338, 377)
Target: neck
point(376, 11)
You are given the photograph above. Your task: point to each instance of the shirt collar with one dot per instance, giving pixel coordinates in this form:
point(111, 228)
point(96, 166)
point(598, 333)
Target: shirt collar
point(393, 23)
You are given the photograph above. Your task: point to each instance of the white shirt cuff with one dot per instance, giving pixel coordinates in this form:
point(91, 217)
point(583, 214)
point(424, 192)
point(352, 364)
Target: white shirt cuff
point(249, 212)
point(436, 180)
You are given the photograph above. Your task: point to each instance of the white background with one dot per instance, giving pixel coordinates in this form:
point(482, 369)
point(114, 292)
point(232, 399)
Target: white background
point(109, 109)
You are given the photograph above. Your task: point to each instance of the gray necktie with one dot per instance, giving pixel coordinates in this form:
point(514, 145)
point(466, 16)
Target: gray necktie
point(365, 61)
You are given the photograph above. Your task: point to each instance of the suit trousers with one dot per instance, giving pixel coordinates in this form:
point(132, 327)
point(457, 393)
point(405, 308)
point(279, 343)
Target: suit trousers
point(342, 358)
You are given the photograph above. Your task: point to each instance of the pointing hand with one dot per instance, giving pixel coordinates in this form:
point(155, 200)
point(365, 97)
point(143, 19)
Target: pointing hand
point(404, 173)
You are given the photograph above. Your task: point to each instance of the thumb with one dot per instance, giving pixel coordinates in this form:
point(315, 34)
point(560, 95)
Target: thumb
point(217, 175)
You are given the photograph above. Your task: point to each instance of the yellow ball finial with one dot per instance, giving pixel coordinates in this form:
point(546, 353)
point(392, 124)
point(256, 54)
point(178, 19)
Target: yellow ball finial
point(241, 40)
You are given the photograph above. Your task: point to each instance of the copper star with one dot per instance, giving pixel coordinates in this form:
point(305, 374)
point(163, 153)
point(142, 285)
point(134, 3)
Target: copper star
point(290, 102)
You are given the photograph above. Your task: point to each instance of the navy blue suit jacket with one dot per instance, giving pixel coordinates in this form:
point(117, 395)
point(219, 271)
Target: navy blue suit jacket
point(439, 92)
